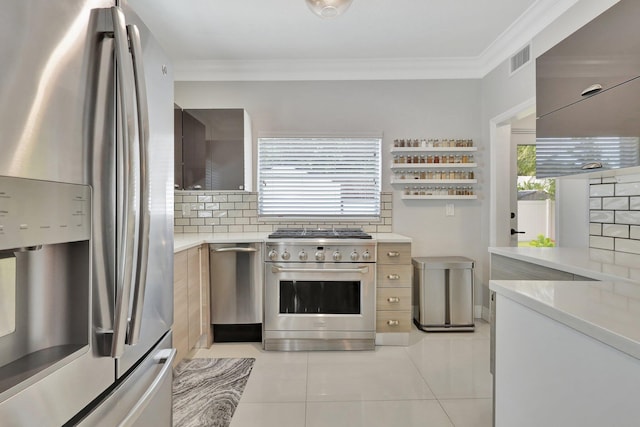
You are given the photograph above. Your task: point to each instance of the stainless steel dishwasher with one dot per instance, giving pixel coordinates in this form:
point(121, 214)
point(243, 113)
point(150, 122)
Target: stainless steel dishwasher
point(236, 291)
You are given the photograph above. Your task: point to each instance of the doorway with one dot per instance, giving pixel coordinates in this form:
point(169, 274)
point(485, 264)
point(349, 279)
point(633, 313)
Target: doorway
point(534, 204)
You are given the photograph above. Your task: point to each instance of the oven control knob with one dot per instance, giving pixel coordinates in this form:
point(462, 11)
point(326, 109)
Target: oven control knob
point(286, 255)
point(337, 256)
point(354, 256)
point(273, 255)
point(302, 256)
point(320, 256)
point(366, 256)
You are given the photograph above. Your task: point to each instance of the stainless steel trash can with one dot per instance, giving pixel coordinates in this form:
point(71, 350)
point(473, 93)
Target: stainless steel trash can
point(443, 293)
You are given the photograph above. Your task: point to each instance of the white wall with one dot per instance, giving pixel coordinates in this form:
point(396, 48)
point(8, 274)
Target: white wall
point(400, 109)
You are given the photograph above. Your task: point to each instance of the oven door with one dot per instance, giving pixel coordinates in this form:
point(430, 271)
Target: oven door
point(320, 298)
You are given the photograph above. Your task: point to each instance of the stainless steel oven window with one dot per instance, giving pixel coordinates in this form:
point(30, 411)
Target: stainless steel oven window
point(320, 297)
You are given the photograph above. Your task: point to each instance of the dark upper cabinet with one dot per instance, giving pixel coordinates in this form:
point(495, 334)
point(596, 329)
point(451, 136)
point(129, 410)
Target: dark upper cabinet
point(215, 149)
point(177, 149)
point(604, 52)
point(588, 97)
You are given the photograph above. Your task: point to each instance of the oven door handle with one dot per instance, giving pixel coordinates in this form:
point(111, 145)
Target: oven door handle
point(361, 270)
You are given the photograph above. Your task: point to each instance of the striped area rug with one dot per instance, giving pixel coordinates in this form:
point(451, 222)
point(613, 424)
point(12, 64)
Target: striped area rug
point(206, 392)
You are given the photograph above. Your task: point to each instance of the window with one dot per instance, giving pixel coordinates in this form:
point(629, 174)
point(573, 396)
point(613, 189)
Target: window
point(319, 177)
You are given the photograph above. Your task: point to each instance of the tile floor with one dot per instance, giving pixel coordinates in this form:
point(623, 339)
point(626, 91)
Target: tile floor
point(440, 379)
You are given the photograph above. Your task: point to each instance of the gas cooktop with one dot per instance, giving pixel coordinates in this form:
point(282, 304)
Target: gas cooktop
point(319, 233)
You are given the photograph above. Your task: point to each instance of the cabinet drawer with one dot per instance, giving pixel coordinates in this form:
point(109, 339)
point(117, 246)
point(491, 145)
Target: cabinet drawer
point(394, 276)
point(394, 253)
point(393, 299)
point(393, 321)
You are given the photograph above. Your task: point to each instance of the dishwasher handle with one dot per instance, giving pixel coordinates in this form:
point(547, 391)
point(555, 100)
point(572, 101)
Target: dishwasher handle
point(234, 249)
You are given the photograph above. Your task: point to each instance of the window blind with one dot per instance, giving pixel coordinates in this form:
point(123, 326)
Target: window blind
point(566, 156)
point(319, 177)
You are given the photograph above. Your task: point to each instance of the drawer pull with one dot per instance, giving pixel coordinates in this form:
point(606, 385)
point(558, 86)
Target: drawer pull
point(393, 300)
point(393, 322)
point(393, 276)
point(393, 254)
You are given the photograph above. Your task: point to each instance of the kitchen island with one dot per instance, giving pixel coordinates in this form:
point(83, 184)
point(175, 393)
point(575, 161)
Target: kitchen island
point(567, 353)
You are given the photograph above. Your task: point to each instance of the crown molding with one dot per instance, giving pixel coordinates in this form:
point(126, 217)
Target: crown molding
point(347, 69)
point(522, 31)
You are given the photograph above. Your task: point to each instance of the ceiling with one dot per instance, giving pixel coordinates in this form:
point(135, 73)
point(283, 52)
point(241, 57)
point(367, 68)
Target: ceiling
point(282, 39)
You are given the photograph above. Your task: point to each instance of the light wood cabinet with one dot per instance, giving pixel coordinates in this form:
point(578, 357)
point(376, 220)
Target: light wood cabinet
point(393, 300)
point(180, 306)
point(191, 327)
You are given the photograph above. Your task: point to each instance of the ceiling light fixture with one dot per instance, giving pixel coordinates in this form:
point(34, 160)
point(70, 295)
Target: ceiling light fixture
point(328, 8)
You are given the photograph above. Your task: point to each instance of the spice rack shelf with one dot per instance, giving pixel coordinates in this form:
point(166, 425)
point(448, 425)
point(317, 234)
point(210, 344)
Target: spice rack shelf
point(397, 150)
point(420, 197)
point(427, 155)
point(433, 181)
point(431, 165)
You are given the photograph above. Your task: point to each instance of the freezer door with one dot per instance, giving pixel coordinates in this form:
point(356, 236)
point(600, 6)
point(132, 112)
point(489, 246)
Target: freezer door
point(143, 398)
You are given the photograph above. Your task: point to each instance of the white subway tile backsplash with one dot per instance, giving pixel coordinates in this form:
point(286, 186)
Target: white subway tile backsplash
point(628, 189)
point(601, 216)
point(628, 245)
point(595, 180)
point(628, 178)
point(627, 217)
point(601, 242)
point(615, 230)
point(209, 211)
point(634, 233)
point(609, 180)
point(595, 203)
point(595, 229)
point(601, 190)
point(615, 203)
point(634, 203)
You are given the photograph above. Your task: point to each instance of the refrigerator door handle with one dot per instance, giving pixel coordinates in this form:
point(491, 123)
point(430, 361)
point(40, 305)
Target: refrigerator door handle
point(127, 224)
point(145, 214)
point(167, 360)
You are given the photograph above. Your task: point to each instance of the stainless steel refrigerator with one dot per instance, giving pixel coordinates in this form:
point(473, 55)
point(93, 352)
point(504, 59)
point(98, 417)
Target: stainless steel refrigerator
point(86, 216)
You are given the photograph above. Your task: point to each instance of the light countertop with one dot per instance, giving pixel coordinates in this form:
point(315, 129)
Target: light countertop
point(593, 263)
point(182, 241)
point(606, 311)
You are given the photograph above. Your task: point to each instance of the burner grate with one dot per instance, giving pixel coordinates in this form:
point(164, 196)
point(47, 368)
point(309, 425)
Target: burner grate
point(319, 233)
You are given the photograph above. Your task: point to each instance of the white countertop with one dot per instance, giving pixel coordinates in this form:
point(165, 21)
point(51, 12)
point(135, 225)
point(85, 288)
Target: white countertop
point(182, 241)
point(606, 311)
point(593, 263)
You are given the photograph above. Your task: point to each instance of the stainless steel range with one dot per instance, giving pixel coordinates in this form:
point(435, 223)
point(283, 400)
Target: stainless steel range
point(319, 290)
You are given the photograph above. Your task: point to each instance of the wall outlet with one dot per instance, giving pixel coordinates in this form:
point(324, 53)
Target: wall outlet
point(449, 209)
